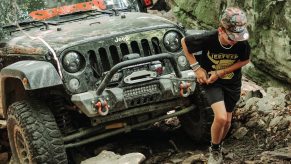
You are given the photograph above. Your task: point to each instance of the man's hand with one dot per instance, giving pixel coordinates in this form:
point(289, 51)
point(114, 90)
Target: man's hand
point(201, 76)
point(214, 75)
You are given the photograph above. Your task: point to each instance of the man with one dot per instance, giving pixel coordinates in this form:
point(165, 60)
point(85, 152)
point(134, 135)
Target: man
point(218, 70)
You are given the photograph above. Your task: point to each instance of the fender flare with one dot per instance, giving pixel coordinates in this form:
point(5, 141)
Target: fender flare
point(33, 74)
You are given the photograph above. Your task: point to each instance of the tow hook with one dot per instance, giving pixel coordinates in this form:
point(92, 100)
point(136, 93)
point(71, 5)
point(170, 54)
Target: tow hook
point(102, 107)
point(185, 89)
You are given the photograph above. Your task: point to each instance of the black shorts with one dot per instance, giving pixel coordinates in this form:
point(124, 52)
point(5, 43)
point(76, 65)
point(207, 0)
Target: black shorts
point(229, 94)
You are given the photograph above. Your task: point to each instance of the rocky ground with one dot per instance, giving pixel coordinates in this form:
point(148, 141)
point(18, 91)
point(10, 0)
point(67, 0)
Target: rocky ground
point(261, 133)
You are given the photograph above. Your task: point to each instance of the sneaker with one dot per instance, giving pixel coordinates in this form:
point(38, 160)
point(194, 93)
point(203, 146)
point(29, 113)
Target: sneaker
point(215, 156)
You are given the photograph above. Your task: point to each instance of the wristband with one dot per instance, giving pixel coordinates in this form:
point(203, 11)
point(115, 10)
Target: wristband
point(195, 69)
point(194, 65)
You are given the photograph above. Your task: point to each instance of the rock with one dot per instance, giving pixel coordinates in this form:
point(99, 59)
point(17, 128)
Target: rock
point(256, 93)
point(252, 123)
point(108, 157)
point(261, 124)
point(250, 86)
point(283, 154)
point(265, 106)
point(230, 156)
point(256, 122)
point(288, 99)
point(196, 158)
point(252, 102)
point(240, 133)
point(176, 160)
point(250, 107)
point(274, 92)
point(131, 158)
point(275, 121)
point(279, 123)
point(250, 162)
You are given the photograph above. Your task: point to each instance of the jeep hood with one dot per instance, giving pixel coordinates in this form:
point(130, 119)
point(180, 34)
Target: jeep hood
point(77, 32)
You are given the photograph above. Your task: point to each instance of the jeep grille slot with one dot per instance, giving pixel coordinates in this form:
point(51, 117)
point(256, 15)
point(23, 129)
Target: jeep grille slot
point(134, 47)
point(113, 54)
point(94, 64)
point(156, 45)
point(146, 47)
point(124, 49)
point(104, 59)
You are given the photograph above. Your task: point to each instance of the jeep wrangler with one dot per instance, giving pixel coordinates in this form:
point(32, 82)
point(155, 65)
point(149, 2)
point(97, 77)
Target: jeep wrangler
point(80, 71)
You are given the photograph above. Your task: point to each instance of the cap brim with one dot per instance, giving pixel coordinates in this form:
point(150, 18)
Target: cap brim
point(244, 35)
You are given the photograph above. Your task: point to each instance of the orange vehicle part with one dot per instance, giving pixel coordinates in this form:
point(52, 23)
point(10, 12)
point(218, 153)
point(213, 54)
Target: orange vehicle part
point(148, 2)
point(50, 13)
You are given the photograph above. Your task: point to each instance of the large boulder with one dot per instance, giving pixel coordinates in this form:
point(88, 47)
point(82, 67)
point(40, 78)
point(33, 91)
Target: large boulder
point(269, 27)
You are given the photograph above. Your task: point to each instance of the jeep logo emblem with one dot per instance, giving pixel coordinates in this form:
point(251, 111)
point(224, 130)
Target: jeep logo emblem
point(121, 39)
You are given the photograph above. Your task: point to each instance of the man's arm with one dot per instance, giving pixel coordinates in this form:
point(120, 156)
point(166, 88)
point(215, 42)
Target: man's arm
point(190, 57)
point(200, 72)
point(235, 66)
point(220, 73)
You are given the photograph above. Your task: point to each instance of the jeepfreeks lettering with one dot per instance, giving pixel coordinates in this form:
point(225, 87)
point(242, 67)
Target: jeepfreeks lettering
point(223, 56)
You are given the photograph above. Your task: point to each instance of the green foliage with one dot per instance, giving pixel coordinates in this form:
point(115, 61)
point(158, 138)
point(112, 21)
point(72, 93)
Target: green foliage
point(6, 12)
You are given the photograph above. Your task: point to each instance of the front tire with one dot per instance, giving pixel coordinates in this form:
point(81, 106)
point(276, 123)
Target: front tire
point(197, 123)
point(33, 134)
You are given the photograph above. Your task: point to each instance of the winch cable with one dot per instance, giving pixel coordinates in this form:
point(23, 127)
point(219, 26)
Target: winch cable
point(39, 38)
point(174, 78)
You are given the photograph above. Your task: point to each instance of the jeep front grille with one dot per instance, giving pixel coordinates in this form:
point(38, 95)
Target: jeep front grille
point(113, 54)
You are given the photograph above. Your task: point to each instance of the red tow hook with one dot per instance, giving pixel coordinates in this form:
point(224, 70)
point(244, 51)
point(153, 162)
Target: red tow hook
point(185, 89)
point(102, 107)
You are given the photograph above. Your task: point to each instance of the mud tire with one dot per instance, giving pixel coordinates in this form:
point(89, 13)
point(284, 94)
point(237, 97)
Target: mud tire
point(33, 134)
point(197, 123)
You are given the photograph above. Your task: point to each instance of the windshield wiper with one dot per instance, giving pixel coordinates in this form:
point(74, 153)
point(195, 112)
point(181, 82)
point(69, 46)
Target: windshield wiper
point(90, 12)
point(31, 22)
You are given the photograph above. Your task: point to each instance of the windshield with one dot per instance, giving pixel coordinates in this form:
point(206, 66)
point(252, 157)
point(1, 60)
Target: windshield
point(47, 9)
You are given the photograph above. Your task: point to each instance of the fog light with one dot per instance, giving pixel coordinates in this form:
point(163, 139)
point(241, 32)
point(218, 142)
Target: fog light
point(182, 61)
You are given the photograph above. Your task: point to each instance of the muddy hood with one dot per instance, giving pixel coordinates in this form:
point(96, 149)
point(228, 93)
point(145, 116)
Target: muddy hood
point(82, 31)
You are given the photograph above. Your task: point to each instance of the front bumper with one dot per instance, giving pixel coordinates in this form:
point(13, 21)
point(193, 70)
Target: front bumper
point(148, 89)
point(166, 88)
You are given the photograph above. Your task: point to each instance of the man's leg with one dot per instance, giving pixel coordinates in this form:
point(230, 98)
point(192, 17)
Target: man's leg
point(217, 131)
point(227, 125)
point(219, 123)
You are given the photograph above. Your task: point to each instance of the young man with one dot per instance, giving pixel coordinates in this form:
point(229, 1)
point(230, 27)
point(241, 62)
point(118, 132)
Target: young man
point(218, 70)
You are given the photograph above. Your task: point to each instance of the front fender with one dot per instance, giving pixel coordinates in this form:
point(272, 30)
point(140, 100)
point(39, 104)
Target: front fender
point(33, 74)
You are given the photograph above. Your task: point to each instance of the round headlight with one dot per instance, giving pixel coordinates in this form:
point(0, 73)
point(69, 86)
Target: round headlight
point(73, 62)
point(172, 41)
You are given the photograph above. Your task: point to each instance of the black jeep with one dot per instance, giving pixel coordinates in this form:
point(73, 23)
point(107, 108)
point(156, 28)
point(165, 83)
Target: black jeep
point(79, 71)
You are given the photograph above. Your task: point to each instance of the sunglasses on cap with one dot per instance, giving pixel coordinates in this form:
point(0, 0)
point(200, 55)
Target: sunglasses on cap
point(230, 36)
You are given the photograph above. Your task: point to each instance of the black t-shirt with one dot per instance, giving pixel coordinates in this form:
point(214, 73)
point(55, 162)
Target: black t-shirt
point(215, 57)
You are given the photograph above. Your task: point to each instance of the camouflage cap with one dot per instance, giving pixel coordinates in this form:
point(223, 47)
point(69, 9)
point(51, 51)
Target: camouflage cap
point(234, 20)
